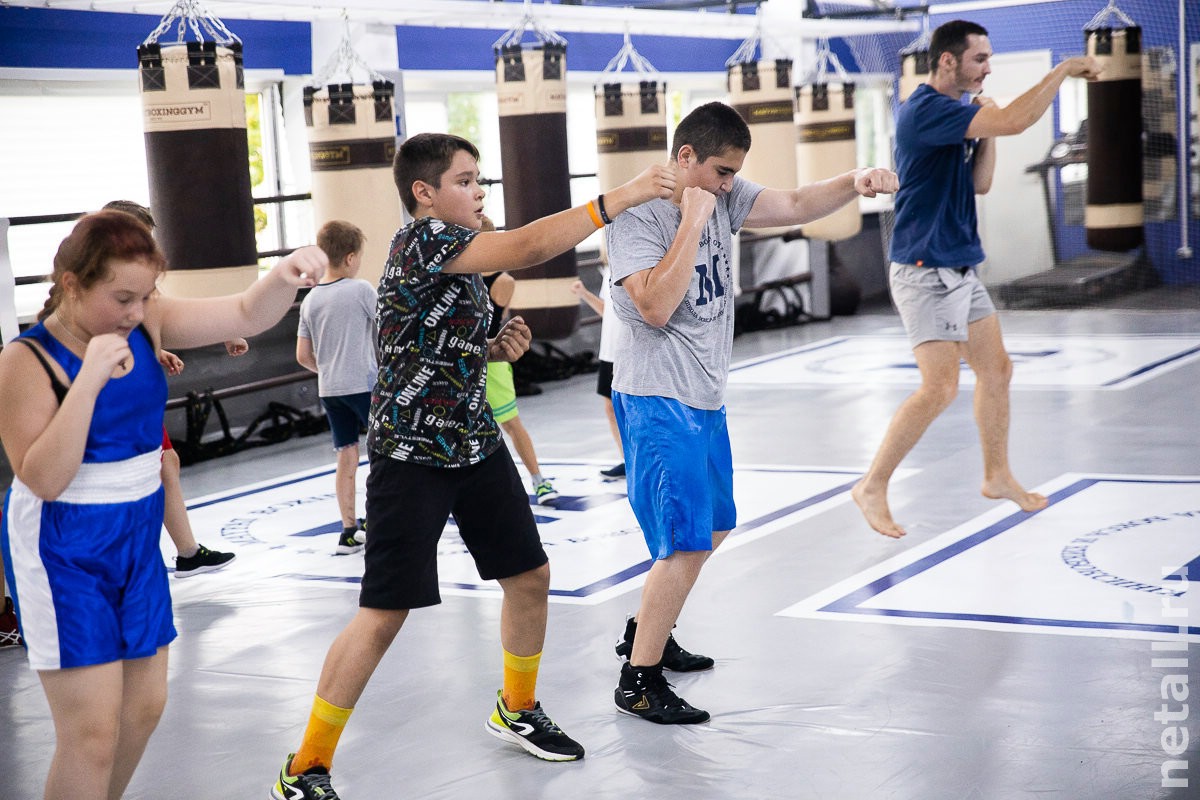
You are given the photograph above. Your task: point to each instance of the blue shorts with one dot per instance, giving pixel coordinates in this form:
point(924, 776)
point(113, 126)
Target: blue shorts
point(87, 574)
point(347, 414)
point(679, 471)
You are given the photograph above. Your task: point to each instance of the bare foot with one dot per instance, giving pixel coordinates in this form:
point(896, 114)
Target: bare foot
point(874, 507)
point(1011, 490)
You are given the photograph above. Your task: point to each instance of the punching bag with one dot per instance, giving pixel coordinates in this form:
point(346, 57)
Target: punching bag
point(914, 69)
point(761, 91)
point(531, 93)
point(1113, 215)
point(198, 166)
point(631, 130)
point(351, 146)
point(825, 146)
point(631, 133)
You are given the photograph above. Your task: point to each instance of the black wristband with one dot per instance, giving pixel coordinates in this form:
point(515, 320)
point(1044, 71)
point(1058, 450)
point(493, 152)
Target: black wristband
point(603, 213)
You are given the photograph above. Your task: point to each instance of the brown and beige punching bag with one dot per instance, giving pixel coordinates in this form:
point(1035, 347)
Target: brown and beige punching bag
point(631, 130)
point(825, 146)
point(198, 166)
point(531, 91)
point(631, 133)
point(914, 70)
point(761, 91)
point(1113, 215)
point(351, 145)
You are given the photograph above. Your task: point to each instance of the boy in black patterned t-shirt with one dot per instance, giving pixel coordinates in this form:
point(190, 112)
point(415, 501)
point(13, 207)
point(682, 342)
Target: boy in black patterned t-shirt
point(435, 448)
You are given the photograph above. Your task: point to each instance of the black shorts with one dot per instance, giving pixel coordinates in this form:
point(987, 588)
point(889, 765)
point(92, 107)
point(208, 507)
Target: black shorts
point(604, 379)
point(408, 506)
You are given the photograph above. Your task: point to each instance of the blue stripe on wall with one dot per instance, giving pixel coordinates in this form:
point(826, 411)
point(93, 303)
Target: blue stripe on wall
point(50, 39)
point(471, 49)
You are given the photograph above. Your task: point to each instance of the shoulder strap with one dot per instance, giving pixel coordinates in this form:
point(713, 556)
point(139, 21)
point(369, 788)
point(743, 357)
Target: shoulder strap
point(60, 389)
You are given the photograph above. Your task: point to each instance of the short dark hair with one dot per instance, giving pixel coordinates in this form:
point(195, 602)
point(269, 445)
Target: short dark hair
point(133, 209)
point(339, 239)
point(951, 37)
point(425, 157)
point(711, 129)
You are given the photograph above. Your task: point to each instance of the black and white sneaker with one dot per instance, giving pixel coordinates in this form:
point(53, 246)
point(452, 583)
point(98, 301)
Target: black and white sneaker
point(534, 731)
point(348, 541)
point(614, 473)
point(204, 560)
point(674, 657)
point(311, 785)
point(644, 692)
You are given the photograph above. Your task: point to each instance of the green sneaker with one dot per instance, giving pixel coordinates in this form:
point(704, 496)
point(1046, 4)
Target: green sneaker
point(312, 785)
point(534, 731)
point(545, 493)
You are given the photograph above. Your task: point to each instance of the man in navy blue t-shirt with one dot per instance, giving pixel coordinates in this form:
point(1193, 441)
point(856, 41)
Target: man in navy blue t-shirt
point(944, 157)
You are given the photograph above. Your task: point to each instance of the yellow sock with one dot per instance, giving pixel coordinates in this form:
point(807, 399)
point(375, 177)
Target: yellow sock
point(520, 680)
point(325, 726)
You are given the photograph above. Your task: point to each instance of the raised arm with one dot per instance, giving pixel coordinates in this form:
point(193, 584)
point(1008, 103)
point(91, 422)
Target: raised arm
point(194, 322)
point(811, 202)
point(985, 155)
point(658, 291)
point(1028, 108)
point(545, 238)
point(593, 301)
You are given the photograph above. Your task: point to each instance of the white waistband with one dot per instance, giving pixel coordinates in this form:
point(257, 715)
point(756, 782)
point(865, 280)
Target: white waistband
point(112, 482)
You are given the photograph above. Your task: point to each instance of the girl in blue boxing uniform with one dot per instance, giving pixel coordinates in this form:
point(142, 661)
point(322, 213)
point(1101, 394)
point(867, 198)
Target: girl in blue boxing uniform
point(81, 411)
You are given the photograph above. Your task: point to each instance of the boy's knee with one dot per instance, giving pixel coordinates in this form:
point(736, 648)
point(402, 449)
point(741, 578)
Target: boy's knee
point(940, 393)
point(382, 625)
point(534, 581)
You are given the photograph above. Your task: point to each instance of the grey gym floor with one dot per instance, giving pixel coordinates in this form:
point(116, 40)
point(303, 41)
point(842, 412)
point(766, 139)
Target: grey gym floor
point(801, 708)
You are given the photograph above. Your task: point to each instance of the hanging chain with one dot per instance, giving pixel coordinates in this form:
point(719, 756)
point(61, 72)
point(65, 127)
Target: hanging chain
point(1110, 10)
point(629, 56)
point(190, 14)
point(528, 23)
point(344, 60)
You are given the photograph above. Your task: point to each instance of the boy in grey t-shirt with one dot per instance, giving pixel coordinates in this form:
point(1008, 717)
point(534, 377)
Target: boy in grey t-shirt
point(336, 339)
point(672, 287)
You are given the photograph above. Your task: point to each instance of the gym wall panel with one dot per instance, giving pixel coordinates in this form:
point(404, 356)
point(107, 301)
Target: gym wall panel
point(423, 48)
point(37, 38)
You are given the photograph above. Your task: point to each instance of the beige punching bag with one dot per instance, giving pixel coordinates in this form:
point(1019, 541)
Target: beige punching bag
point(761, 91)
point(914, 70)
point(631, 133)
point(631, 130)
point(351, 145)
point(825, 147)
point(198, 166)
point(531, 92)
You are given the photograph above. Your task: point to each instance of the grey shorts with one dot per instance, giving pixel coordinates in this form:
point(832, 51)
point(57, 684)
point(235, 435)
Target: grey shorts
point(937, 304)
